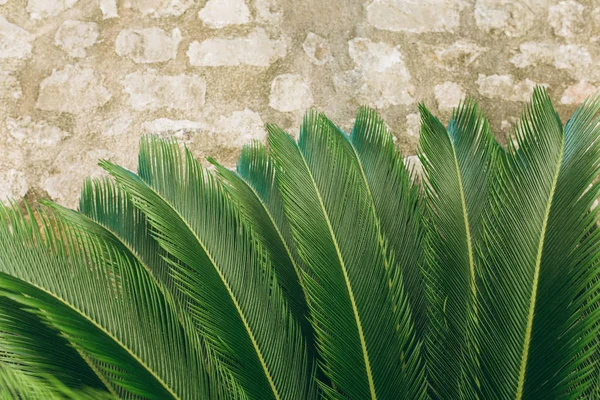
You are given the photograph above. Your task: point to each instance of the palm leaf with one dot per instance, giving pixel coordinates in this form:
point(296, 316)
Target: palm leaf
point(397, 202)
point(104, 304)
point(330, 209)
point(538, 264)
point(18, 385)
point(106, 212)
point(457, 165)
point(29, 345)
point(565, 325)
point(234, 300)
point(253, 188)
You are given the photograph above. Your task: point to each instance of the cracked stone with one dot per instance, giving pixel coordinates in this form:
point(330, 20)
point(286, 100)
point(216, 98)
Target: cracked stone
point(577, 93)
point(256, 49)
point(40, 9)
point(448, 94)
point(148, 45)
point(75, 37)
point(151, 91)
point(504, 87)
point(513, 18)
point(73, 89)
point(380, 77)
point(162, 8)
point(317, 49)
point(289, 92)
point(13, 185)
point(15, 42)
point(415, 16)
point(566, 18)
point(221, 13)
point(108, 8)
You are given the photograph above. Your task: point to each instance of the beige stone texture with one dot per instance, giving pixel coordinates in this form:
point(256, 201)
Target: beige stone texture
point(85, 79)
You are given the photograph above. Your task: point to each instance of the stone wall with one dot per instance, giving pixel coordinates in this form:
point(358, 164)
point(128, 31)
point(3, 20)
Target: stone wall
point(82, 80)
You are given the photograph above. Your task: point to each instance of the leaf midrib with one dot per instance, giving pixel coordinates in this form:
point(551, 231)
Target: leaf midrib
point(536, 275)
point(229, 291)
point(103, 330)
point(363, 343)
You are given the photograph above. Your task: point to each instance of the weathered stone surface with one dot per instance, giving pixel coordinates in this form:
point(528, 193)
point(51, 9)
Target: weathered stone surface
point(13, 185)
point(448, 94)
point(10, 87)
point(458, 55)
point(413, 125)
point(317, 49)
point(221, 13)
point(513, 18)
point(25, 130)
point(162, 8)
point(108, 8)
point(64, 185)
point(256, 49)
point(15, 42)
point(149, 90)
point(76, 36)
point(76, 83)
point(504, 87)
point(380, 77)
point(39, 9)
point(561, 56)
point(226, 131)
point(148, 45)
point(267, 11)
point(290, 92)
point(577, 93)
point(73, 89)
point(566, 18)
point(414, 15)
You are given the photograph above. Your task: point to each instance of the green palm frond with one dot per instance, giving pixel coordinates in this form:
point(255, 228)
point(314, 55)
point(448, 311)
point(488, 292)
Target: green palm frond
point(30, 346)
point(538, 262)
point(18, 385)
point(397, 202)
point(330, 209)
point(319, 269)
point(254, 188)
point(106, 306)
point(234, 300)
point(457, 165)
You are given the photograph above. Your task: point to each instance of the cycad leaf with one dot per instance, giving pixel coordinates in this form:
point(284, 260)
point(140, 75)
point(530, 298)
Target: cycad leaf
point(105, 305)
point(16, 384)
point(397, 203)
point(515, 234)
point(457, 166)
point(254, 189)
point(335, 229)
point(107, 213)
point(233, 298)
point(31, 346)
point(565, 325)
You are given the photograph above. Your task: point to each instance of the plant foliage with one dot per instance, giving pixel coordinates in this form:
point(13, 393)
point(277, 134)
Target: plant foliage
point(318, 268)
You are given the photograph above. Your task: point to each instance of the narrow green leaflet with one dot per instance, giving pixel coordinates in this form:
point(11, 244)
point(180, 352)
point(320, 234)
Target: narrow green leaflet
point(233, 298)
point(565, 327)
point(457, 165)
point(101, 302)
point(254, 189)
point(29, 345)
point(398, 206)
point(334, 225)
point(106, 212)
point(515, 234)
point(16, 384)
